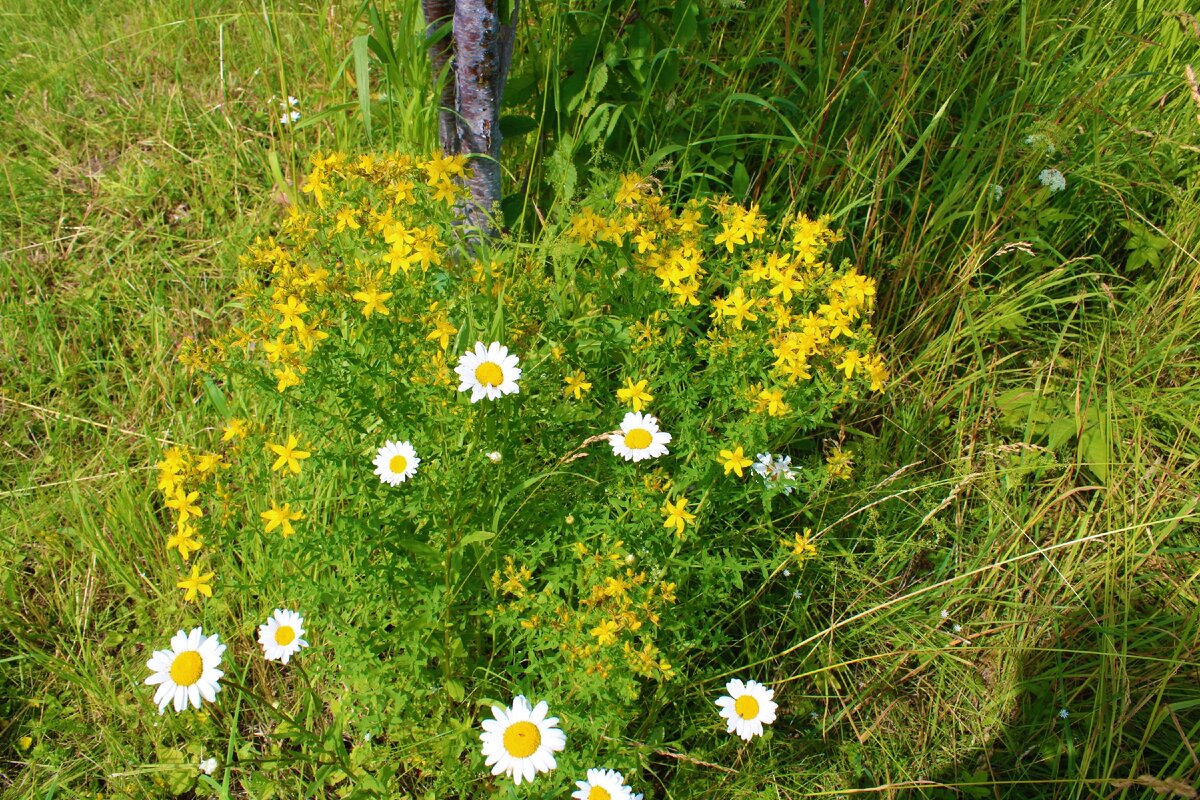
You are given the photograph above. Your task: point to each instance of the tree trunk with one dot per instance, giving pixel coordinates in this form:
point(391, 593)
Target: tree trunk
point(479, 50)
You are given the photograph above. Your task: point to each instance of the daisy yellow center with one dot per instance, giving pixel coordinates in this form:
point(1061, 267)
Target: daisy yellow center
point(398, 464)
point(284, 635)
point(638, 439)
point(599, 793)
point(489, 374)
point(746, 707)
point(522, 739)
point(187, 668)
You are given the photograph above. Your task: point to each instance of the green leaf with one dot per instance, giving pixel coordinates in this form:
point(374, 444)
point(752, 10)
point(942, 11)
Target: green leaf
point(360, 48)
point(477, 536)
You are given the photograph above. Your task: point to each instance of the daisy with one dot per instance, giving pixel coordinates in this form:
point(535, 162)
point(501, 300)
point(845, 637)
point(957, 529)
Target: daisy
point(521, 741)
point(187, 672)
point(280, 635)
point(639, 438)
point(602, 784)
point(488, 372)
point(396, 462)
point(747, 707)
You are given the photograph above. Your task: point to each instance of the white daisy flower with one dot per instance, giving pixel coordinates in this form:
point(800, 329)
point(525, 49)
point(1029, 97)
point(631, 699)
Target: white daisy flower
point(187, 672)
point(639, 438)
point(602, 784)
point(521, 741)
point(488, 372)
point(280, 635)
point(747, 707)
point(396, 462)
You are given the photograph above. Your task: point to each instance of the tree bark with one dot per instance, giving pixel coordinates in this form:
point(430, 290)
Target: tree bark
point(480, 50)
point(438, 13)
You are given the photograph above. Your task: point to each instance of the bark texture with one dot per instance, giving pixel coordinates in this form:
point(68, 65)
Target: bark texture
point(480, 51)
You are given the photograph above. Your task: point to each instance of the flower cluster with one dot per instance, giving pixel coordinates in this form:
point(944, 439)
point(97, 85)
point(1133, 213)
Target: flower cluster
point(559, 455)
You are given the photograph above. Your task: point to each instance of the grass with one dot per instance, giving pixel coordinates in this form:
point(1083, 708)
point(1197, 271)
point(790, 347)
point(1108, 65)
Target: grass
point(1033, 472)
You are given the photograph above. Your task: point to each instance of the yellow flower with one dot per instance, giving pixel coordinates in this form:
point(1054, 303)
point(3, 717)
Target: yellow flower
point(183, 541)
point(196, 583)
point(801, 546)
point(235, 428)
point(878, 373)
point(290, 312)
point(289, 456)
point(738, 306)
point(840, 463)
point(277, 516)
point(851, 362)
point(605, 632)
point(372, 299)
point(185, 504)
point(346, 218)
point(287, 378)
point(771, 401)
point(577, 384)
point(441, 333)
point(209, 462)
point(634, 394)
point(678, 516)
point(734, 460)
point(446, 191)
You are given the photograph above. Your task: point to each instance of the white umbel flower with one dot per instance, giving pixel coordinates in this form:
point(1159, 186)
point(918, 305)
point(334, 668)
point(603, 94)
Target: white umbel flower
point(747, 707)
point(602, 784)
point(521, 741)
point(396, 462)
point(280, 635)
point(489, 372)
point(639, 438)
point(1052, 179)
point(187, 672)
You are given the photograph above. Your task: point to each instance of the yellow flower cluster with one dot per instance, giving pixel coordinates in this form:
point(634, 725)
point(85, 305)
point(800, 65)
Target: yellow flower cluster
point(378, 207)
point(717, 257)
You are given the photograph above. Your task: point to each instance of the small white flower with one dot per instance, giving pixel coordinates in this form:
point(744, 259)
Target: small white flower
point(288, 117)
point(747, 707)
point(1063, 713)
point(996, 192)
point(787, 573)
point(797, 594)
point(494, 456)
point(775, 470)
point(521, 741)
point(602, 784)
point(490, 372)
point(293, 102)
point(1052, 179)
point(957, 628)
point(187, 672)
point(639, 438)
point(280, 635)
point(396, 462)
point(208, 766)
point(945, 614)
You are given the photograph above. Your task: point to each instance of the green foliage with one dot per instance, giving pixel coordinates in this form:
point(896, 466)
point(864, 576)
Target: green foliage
point(142, 154)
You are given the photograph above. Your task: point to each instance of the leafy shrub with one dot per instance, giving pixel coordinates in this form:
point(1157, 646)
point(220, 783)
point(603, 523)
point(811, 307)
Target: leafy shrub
point(522, 554)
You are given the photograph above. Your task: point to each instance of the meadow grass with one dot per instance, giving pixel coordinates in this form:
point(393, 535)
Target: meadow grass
point(1031, 471)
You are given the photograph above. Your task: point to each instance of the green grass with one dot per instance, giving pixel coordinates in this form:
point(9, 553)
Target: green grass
point(1033, 471)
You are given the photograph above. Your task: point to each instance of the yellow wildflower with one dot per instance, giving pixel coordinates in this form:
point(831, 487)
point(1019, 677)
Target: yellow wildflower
point(840, 463)
point(577, 384)
point(372, 300)
point(678, 517)
point(605, 632)
point(185, 504)
point(801, 546)
point(196, 583)
point(771, 401)
point(634, 394)
point(441, 333)
point(235, 429)
point(287, 378)
point(346, 219)
point(734, 460)
point(289, 456)
point(277, 516)
point(184, 539)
